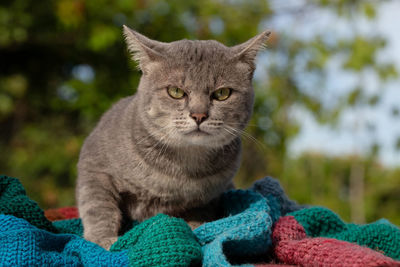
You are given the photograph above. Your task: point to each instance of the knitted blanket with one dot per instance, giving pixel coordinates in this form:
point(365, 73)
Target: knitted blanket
point(260, 225)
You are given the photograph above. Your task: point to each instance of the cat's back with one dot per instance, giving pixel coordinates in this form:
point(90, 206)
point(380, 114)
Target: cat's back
point(115, 115)
point(107, 134)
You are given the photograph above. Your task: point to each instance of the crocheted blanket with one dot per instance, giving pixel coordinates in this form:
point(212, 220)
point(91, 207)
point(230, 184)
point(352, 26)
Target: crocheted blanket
point(261, 227)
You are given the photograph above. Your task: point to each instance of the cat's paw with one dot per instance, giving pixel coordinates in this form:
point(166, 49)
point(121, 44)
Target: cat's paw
point(108, 242)
point(195, 224)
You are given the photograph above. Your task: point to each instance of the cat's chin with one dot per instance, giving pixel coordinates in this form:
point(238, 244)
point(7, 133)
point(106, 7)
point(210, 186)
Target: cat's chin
point(198, 138)
point(203, 139)
point(197, 133)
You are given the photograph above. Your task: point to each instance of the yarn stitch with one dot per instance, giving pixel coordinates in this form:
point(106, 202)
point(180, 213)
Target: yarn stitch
point(292, 246)
point(14, 201)
point(245, 231)
point(380, 235)
point(245, 234)
point(26, 241)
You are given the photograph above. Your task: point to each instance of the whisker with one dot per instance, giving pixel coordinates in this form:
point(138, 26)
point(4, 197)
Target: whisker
point(229, 131)
point(249, 124)
point(259, 144)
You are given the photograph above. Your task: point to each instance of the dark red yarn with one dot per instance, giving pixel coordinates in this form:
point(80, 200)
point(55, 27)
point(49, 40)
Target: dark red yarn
point(61, 213)
point(292, 246)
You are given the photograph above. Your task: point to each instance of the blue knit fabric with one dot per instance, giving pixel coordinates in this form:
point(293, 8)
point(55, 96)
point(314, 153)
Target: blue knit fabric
point(245, 231)
point(22, 244)
point(269, 186)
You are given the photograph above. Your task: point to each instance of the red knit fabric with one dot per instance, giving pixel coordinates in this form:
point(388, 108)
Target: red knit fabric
point(69, 212)
point(273, 265)
point(61, 213)
point(291, 246)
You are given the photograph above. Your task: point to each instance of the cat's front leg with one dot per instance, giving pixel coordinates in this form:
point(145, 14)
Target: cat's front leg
point(98, 207)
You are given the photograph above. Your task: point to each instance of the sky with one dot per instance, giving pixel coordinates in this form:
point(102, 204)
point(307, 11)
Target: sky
point(350, 136)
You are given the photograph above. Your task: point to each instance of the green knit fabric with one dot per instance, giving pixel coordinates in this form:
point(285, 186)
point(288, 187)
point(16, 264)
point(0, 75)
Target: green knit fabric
point(160, 240)
point(14, 201)
point(380, 235)
point(71, 226)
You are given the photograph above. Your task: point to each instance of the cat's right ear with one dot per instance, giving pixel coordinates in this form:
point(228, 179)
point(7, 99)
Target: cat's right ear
point(145, 52)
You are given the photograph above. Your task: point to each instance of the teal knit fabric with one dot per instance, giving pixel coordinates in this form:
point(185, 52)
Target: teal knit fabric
point(245, 231)
point(26, 241)
point(22, 244)
point(270, 187)
point(14, 201)
point(71, 226)
point(160, 241)
point(380, 235)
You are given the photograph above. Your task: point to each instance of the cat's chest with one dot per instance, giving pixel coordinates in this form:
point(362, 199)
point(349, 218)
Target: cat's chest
point(161, 187)
point(140, 206)
point(160, 193)
point(175, 180)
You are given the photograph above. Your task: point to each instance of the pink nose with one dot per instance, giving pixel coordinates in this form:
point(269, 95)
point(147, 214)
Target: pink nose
point(199, 117)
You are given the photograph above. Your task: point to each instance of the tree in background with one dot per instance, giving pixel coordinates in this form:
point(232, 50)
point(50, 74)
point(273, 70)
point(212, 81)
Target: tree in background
point(63, 63)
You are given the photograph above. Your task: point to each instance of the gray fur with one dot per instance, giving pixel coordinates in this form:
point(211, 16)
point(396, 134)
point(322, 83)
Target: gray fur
point(143, 158)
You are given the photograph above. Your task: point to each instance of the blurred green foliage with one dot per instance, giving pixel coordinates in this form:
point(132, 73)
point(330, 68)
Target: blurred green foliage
point(63, 63)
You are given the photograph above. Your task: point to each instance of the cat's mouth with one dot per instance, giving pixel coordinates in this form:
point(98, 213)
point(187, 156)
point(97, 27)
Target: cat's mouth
point(197, 132)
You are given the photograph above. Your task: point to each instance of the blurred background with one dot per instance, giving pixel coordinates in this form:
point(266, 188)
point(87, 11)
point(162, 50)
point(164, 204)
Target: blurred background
point(327, 110)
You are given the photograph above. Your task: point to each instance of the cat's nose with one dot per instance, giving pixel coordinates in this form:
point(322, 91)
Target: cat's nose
point(199, 117)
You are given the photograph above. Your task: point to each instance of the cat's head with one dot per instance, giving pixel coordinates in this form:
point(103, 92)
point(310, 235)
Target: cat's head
point(195, 92)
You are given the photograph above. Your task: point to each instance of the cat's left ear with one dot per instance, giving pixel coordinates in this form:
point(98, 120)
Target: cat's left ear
point(247, 51)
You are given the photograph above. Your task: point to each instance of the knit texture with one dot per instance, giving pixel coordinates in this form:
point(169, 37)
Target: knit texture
point(61, 213)
point(304, 237)
point(22, 244)
point(160, 240)
point(245, 231)
point(380, 235)
point(70, 226)
point(292, 246)
point(271, 187)
point(24, 241)
point(14, 201)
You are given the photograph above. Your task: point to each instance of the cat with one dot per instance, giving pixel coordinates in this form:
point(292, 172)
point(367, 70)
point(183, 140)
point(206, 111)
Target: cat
point(174, 146)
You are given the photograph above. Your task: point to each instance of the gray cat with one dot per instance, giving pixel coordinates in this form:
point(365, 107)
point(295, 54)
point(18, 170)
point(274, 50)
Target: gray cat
point(174, 146)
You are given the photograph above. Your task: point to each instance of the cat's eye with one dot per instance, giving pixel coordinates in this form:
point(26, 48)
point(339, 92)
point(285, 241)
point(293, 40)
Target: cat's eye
point(222, 94)
point(176, 92)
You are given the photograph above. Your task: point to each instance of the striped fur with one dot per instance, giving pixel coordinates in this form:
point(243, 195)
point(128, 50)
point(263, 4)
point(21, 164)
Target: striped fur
point(143, 157)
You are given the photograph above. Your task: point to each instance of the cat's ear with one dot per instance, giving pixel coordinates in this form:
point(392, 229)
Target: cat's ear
point(248, 50)
point(144, 50)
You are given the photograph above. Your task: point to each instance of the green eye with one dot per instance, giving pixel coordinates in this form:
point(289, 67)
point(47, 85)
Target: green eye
point(176, 92)
point(222, 94)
